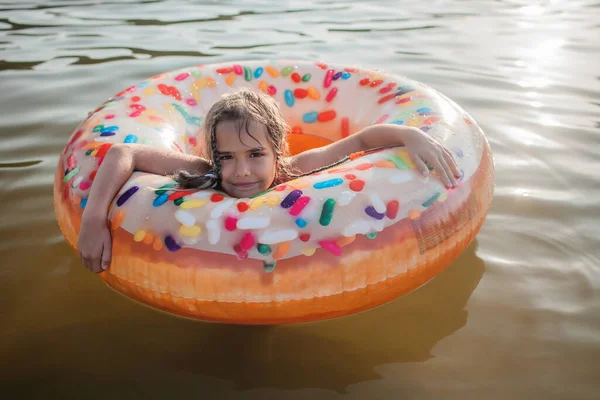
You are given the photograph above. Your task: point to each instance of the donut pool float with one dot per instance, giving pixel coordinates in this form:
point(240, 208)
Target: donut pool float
point(333, 243)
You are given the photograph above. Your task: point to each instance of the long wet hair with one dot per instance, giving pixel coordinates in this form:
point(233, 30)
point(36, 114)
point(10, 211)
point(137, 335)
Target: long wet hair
point(243, 107)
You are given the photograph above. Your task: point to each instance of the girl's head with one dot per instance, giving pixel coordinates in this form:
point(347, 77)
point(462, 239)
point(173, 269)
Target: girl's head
point(245, 140)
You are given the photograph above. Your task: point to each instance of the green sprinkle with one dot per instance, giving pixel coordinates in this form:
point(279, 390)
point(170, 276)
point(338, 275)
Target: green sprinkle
point(71, 174)
point(248, 73)
point(398, 162)
point(431, 200)
point(306, 77)
point(160, 192)
point(196, 73)
point(264, 249)
point(286, 71)
point(371, 235)
point(98, 128)
point(269, 266)
point(87, 153)
point(168, 186)
point(327, 212)
point(178, 201)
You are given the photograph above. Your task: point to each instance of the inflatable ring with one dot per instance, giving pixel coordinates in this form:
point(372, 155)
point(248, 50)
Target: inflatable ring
point(325, 245)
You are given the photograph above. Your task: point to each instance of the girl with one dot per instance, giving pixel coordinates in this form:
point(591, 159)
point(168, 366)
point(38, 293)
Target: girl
point(246, 150)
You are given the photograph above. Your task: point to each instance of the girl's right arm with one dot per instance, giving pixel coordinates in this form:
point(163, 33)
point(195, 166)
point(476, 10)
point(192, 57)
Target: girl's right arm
point(94, 244)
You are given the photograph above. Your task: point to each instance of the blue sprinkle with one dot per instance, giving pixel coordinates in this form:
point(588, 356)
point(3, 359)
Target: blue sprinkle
point(171, 244)
point(83, 202)
point(403, 91)
point(289, 97)
point(345, 75)
point(110, 129)
point(160, 200)
point(371, 212)
point(143, 84)
point(310, 117)
point(397, 122)
point(329, 183)
point(301, 223)
point(459, 153)
point(125, 196)
point(424, 110)
point(189, 119)
point(431, 200)
point(337, 76)
point(258, 72)
point(131, 138)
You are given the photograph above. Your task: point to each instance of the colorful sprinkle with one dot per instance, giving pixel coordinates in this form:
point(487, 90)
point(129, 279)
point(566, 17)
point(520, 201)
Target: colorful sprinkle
point(328, 78)
point(190, 231)
point(231, 223)
point(289, 97)
point(331, 247)
point(306, 77)
point(160, 200)
point(371, 235)
point(171, 244)
point(125, 196)
point(192, 204)
point(258, 72)
point(247, 73)
point(185, 217)
point(392, 209)
point(299, 205)
point(331, 95)
point(328, 183)
point(238, 69)
point(310, 117)
point(131, 138)
point(71, 174)
point(285, 71)
point(291, 198)
point(300, 93)
point(429, 202)
point(242, 207)
point(357, 185)
point(301, 223)
point(247, 241)
point(269, 267)
point(326, 116)
point(313, 93)
point(296, 77)
point(264, 249)
point(345, 127)
point(371, 212)
point(327, 212)
point(305, 237)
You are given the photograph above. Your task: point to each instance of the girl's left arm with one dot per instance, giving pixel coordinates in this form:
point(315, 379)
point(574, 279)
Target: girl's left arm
point(420, 146)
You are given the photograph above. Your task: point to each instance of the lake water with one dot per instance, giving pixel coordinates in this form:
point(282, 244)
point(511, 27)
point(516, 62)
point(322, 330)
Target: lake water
point(517, 316)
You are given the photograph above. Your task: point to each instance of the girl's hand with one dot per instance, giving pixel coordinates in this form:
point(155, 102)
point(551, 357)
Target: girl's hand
point(94, 244)
point(423, 150)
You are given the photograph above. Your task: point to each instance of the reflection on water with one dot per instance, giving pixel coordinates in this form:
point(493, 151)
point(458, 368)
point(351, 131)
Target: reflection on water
point(527, 328)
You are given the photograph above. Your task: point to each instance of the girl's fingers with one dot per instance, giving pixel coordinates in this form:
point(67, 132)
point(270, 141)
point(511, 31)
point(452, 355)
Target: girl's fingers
point(448, 170)
point(452, 163)
point(420, 164)
point(442, 172)
point(106, 253)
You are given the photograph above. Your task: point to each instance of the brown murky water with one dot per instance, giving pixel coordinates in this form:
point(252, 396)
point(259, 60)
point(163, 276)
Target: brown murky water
point(517, 316)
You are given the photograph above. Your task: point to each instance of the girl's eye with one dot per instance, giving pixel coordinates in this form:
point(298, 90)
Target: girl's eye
point(225, 157)
point(256, 154)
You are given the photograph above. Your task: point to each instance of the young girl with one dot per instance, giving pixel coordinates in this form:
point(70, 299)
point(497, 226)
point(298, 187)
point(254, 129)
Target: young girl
point(246, 150)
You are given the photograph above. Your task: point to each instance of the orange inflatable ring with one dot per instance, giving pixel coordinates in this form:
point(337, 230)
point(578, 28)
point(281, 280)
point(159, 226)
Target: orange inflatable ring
point(329, 244)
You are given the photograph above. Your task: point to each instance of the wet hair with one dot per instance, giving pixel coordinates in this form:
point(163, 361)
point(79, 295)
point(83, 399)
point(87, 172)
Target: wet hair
point(243, 107)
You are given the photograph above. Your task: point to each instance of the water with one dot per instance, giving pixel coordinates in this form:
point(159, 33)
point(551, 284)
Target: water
point(517, 316)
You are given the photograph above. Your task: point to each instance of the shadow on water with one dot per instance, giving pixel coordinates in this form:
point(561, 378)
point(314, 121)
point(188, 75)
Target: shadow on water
point(126, 341)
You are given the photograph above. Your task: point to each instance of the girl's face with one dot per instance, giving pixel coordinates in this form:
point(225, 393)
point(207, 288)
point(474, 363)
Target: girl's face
point(248, 163)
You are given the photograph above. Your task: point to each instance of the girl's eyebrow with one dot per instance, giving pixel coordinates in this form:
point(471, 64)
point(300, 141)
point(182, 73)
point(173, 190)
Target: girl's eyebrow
point(260, 148)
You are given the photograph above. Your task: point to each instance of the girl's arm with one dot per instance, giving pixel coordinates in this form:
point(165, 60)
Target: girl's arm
point(420, 146)
point(121, 160)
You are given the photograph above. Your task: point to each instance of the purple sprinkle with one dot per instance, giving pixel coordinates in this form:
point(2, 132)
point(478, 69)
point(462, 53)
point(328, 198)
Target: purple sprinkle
point(373, 213)
point(107, 133)
point(291, 198)
point(125, 196)
point(171, 244)
point(403, 91)
point(337, 75)
point(425, 128)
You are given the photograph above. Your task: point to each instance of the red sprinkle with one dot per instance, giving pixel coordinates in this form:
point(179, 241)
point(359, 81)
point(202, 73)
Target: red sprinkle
point(403, 100)
point(326, 116)
point(350, 177)
point(230, 223)
point(135, 98)
point(376, 82)
point(109, 116)
point(305, 237)
point(331, 94)
point(300, 93)
point(280, 188)
point(321, 65)
point(392, 209)
point(224, 70)
point(297, 130)
point(357, 185)
point(93, 175)
point(364, 81)
point(247, 241)
point(386, 98)
point(242, 207)
point(216, 197)
point(345, 127)
point(385, 89)
point(296, 77)
point(272, 90)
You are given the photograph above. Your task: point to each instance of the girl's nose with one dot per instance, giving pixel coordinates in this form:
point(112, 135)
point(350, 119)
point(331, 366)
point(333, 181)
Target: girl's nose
point(242, 168)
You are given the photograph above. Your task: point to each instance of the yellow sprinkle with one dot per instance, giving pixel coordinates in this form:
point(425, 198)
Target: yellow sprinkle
point(149, 90)
point(158, 244)
point(415, 121)
point(308, 251)
point(192, 204)
point(199, 84)
point(443, 197)
point(92, 145)
point(273, 200)
point(190, 231)
point(282, 250)
point(406, 158)
point(298, 183)
point(313, 93)
point(210, 82)
point(256, 203)
point(149, 238)
point(272, 71)
point(230, 79)
point(139, 235)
